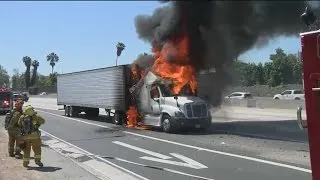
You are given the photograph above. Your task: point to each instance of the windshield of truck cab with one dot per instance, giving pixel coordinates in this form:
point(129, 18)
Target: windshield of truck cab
point(186, 91)
point(165, 91)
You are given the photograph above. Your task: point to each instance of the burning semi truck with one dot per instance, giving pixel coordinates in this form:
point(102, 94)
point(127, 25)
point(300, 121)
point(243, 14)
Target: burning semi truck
point(147, 99)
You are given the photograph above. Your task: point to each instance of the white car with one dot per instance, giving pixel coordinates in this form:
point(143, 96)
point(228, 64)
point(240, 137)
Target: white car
point(239, 95)
point(43, 93)
point(290, 95)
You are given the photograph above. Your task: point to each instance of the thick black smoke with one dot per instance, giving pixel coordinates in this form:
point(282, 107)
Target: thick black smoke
point(220, 31)
point(144, 61)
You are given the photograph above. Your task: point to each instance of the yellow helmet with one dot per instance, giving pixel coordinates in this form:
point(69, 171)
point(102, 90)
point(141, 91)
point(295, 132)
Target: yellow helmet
point(29, 110)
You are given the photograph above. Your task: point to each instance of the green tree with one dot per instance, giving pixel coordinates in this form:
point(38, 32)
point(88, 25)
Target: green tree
point(279, 68)
point(285, 69)
point(27, 62)
point(35, 65)
point(246, 73)
point(267, 73)
point(15, 79)
point(52, 58)
point(297, 72)
point(53, 78)
point(4, 77)
point(44, 81)
point(259, 74)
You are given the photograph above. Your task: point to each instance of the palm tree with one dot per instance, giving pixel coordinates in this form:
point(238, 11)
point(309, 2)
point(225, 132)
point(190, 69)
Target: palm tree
point(53, 78)
point(52, 58)
point(120, 47)
point(27, 62)
point(35, 65)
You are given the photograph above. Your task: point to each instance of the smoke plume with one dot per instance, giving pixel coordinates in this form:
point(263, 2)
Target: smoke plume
point(144, 61)
point(220, 31)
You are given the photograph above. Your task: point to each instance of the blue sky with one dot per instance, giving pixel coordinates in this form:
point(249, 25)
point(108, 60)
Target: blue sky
point(84, 34)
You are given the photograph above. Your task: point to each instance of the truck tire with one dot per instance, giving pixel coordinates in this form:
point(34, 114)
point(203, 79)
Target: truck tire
point(67, 111)
point(73, 111)
point(167, 125)
point(117, 118)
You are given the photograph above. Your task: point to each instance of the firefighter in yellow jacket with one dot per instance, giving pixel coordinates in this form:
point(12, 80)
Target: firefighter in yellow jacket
point(14, 131)
point(30, 122)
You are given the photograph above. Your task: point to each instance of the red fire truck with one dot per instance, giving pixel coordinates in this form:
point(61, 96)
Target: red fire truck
point(310, 44)
point(6, 100)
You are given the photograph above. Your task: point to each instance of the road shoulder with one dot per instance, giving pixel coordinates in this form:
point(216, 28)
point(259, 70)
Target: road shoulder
point(56, 166)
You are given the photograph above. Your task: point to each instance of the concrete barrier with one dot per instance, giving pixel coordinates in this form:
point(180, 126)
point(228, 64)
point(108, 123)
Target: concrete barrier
point(264, 102)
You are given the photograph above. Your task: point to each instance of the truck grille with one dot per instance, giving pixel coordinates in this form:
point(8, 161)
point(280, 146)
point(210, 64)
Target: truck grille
point(195, 111)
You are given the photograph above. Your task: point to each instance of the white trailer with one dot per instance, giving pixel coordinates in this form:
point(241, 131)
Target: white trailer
point(108, 88)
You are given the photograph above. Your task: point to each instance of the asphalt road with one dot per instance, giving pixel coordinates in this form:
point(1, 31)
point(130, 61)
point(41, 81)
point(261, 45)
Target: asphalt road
point(189, 155)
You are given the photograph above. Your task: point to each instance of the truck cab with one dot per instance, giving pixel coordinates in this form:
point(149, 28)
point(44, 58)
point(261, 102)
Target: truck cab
point(161, 108)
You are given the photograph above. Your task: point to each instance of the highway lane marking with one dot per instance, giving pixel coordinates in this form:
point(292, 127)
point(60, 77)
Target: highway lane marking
point(163, 158)
point(158, 155)
point(90, 154)
point(190, 146)
point(98, 166)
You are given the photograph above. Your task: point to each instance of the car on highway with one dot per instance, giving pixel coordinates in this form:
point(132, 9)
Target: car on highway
point(239, 95)
point(43, 94)
point(294, 94)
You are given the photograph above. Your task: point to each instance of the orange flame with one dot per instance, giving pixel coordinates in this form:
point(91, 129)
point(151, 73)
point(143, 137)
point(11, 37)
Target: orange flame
point(173, 63)
point(132, 117)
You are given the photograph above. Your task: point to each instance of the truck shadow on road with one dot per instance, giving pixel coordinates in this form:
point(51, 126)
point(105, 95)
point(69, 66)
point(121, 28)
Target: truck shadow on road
point(286, 130)
point(100, 118)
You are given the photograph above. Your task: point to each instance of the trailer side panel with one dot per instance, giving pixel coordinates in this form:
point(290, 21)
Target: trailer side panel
point(98, 88)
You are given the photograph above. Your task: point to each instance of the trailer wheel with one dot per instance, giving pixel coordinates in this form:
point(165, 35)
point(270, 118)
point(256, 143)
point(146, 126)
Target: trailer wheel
point(117, 118)
point(167, 125)
point(73, 111)
point(67, 111)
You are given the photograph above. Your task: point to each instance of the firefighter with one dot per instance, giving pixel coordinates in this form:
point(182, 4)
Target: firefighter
point(30, 122)
point(14, 131)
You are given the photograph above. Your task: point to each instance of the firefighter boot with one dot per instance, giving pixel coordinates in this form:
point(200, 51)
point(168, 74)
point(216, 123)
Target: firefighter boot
point(25, 163)
point(36, 146)
point(39, 163)
point(18, 155)
point(26, 153)
point(11, 145)
point(17, 148)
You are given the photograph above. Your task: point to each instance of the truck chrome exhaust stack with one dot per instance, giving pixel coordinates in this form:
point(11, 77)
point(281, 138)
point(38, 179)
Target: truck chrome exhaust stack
point(301, 123)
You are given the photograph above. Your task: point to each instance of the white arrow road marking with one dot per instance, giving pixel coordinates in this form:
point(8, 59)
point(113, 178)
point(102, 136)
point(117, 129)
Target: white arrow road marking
point(142, 150)
point(187, 162)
